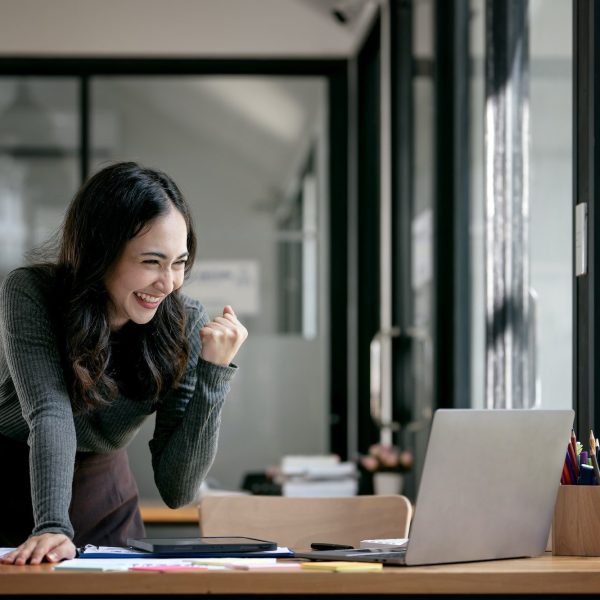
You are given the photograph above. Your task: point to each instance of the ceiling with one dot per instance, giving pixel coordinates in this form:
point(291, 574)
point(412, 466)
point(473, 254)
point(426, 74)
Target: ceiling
point(241, 28)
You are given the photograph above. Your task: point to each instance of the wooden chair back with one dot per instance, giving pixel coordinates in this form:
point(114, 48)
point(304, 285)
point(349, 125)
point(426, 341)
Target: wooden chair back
point(297, 522)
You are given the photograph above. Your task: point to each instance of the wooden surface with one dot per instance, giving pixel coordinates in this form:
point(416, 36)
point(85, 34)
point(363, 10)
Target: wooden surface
point(156, 512)
point(297, 522)
point(544, 575)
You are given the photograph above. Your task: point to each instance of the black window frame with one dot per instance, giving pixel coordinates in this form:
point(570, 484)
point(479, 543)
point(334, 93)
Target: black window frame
point(586, 166)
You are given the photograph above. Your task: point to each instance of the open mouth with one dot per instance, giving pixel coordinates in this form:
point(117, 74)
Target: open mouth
point(146, 300)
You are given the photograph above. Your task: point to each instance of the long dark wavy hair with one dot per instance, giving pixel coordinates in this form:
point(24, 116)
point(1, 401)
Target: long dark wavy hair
point(111, 208)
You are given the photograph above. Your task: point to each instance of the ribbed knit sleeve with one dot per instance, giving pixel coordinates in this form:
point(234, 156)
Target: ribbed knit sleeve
point(33, 360)
point(187, 423)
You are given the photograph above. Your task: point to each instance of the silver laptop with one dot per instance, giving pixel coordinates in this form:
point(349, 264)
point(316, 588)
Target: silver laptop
point(487, 491)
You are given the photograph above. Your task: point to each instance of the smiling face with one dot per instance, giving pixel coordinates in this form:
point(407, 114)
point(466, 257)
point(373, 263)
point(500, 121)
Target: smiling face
point(150, 267)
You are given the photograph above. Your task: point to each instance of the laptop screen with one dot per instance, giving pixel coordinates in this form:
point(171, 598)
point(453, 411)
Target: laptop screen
point(489, 484)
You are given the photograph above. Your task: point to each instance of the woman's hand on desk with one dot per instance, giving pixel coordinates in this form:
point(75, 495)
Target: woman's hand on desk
point(52, 547)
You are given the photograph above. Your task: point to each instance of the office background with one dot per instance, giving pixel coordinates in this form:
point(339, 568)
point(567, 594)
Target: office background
point(337, 157)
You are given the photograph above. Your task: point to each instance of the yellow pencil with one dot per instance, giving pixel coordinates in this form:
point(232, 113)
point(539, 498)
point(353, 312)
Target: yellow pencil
point(593, 457)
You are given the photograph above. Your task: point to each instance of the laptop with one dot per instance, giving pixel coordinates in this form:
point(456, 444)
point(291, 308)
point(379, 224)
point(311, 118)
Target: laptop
point(487, 490)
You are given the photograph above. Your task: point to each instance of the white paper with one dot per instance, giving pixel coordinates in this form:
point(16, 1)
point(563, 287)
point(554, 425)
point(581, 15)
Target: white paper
point(122, 564)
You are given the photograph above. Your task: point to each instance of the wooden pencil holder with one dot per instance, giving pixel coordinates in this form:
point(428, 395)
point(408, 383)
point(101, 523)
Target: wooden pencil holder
point(576, 523)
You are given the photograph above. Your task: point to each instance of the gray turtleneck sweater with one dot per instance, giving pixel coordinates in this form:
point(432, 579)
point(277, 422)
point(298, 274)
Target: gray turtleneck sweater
point(35, 407)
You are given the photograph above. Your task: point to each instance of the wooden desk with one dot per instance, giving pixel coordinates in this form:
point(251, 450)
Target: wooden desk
point(156, 512)
point(543, 575)
point(162, 521)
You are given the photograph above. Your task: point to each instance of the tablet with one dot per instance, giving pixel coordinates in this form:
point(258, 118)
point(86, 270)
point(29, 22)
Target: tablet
point(201, 544)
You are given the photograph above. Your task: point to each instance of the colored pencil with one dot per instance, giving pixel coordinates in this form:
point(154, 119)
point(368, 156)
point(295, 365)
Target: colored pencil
point(594, 459)
point(573, 456)
point(571, 469)
point(565, 478)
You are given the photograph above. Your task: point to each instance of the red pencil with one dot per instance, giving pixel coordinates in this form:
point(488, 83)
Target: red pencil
point(571, 467)
point(565, 478)
point(573, 456)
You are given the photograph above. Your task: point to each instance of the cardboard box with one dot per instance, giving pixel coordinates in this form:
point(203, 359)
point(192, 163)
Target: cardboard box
point(576, 523)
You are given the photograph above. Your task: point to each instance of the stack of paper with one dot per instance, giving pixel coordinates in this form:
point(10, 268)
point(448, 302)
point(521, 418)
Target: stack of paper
point(318, 475)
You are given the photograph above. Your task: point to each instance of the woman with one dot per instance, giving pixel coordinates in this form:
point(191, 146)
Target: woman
point(90, 345)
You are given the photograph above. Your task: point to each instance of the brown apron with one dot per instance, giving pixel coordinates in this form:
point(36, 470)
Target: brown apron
point(104, 507)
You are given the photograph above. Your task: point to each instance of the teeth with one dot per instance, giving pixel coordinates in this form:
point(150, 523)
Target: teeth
point(147, 298)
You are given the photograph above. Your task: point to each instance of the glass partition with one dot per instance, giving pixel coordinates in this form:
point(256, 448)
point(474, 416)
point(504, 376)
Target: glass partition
point(39, 161)
point(250, 156)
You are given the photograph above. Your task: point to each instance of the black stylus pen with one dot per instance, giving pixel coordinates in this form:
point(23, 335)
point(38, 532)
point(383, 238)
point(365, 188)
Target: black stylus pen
point(325, 546)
